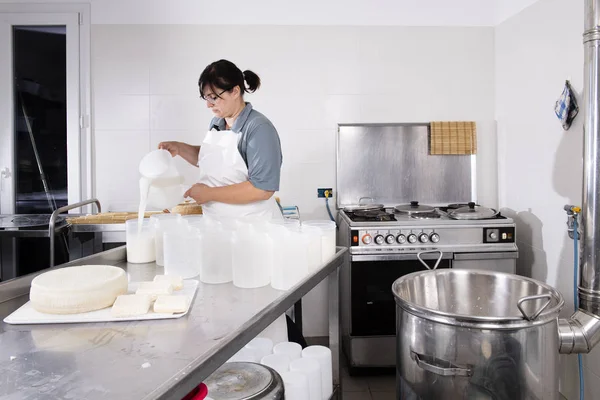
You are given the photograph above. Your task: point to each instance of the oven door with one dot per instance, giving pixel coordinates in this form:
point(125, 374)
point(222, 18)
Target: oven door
point(502, 261)
point(373, 308)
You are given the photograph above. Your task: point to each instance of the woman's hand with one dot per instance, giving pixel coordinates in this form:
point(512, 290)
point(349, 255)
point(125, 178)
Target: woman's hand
point(172, 147)
point(186, 151)
point(199, 192)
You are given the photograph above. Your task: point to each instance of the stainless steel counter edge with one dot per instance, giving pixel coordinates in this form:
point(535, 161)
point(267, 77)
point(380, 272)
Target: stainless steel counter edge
point(180, 385)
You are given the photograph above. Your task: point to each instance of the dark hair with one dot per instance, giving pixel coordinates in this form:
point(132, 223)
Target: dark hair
point(226, 75)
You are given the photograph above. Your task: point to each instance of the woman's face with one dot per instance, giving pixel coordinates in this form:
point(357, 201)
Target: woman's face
point(223, 103)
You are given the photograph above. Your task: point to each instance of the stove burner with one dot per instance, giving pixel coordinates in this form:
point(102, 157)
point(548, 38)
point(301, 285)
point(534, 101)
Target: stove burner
point(371, 215)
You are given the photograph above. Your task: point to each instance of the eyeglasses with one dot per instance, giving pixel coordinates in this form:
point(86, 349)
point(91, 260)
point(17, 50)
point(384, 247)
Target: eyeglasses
point(213, 98)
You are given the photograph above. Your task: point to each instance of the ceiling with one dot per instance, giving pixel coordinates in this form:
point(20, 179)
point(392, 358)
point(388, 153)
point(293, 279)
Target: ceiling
point(302, 12)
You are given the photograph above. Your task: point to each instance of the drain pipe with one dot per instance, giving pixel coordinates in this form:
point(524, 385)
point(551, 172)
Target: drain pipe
point(581, 332)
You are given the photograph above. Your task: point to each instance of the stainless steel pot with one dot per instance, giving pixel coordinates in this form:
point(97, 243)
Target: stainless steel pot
point(471, 211)
point(466, 334)
point(364, 206)
point(245, 381)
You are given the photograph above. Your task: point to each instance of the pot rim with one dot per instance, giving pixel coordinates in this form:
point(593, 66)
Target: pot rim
point(482, 322)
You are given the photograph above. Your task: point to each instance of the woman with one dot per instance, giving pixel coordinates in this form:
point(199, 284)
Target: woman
point(240, 158)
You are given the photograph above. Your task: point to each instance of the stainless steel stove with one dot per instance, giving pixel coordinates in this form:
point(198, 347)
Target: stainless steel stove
point(386, 243)
point(402, 210)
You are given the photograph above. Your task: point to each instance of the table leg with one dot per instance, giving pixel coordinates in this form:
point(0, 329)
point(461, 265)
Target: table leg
point(334, 330)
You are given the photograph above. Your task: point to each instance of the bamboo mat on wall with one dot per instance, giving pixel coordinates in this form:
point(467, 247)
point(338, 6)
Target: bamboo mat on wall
point(452, 137)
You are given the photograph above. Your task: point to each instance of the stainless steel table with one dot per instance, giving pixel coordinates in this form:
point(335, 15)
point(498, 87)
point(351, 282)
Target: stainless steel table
point(162, 359)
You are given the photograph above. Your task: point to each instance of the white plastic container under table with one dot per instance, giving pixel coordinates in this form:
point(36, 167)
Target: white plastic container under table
point(291, 349)
point(279, 362)
point(277, 331)
point(179, 252)
point(328, 237)
point(245, 355)
point(312, 370)
point(261, 347)
point(323, 355)
point(163, 223)
point(295, 385)
point(140, 243)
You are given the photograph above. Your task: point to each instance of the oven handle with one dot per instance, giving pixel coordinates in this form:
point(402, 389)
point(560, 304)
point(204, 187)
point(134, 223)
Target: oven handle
point(487, 256)
point(439, 259)
point(398, 257)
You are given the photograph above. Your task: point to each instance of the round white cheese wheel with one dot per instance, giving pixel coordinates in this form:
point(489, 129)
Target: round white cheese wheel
point(80, 289)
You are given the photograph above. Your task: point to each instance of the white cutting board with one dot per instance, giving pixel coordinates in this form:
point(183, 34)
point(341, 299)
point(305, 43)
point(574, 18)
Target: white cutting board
point(26, 314)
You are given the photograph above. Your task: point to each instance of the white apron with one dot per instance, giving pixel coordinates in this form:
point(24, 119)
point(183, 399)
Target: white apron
point(221, 164)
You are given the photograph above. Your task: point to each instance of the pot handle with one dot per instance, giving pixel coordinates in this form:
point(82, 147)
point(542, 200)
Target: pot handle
point(430, 251)
point(361, 203)
point(534, 297)
point(453, 370)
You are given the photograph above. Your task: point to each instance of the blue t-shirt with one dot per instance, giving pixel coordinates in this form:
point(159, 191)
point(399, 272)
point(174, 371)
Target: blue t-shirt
point(259, 146)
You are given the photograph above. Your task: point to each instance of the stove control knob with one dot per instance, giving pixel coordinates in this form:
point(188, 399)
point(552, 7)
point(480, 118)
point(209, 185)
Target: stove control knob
point(390, 239)
point(434, 237)
point(379, 239)
point(412, 238)
point(367, 239)
point(401, 239)
point(423, 238)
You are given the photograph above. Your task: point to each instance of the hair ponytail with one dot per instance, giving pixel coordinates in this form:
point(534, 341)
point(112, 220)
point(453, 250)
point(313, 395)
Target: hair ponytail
point(252, 81)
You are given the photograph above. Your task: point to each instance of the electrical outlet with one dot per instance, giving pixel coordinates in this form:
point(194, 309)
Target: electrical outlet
point(321, 192)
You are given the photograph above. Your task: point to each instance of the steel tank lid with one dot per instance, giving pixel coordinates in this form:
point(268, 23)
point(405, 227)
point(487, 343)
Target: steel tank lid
point(240, 381)
point(482, 299)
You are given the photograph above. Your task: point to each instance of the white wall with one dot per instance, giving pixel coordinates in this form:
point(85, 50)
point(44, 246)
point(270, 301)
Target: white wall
point(540, 164)
point(145, 90)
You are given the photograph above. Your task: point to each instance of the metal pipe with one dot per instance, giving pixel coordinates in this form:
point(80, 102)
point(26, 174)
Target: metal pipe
point(56, 213)
point(581, 332)
point(589, 287)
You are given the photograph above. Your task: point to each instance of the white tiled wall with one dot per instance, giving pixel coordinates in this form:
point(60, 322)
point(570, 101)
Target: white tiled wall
point(540, 165)
point(145, 91)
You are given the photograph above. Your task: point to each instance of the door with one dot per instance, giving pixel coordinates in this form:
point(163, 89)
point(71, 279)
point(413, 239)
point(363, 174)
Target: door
point(373, 307)
point(39, 112)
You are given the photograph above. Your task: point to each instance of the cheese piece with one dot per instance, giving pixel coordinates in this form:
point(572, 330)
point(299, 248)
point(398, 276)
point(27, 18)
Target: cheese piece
point(170, 304)
point(80, 289)
point(154, 289)
point(130, 305)
point(175, 280)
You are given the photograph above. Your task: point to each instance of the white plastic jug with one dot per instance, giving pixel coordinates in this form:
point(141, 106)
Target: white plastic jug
point(328, 237)
point(161, 184)
point(178, 251)
point(163, 223)
point(250, 247)
point(215, 265)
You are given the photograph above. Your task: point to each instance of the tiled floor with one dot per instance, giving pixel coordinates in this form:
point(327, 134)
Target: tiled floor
point(367, 387)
